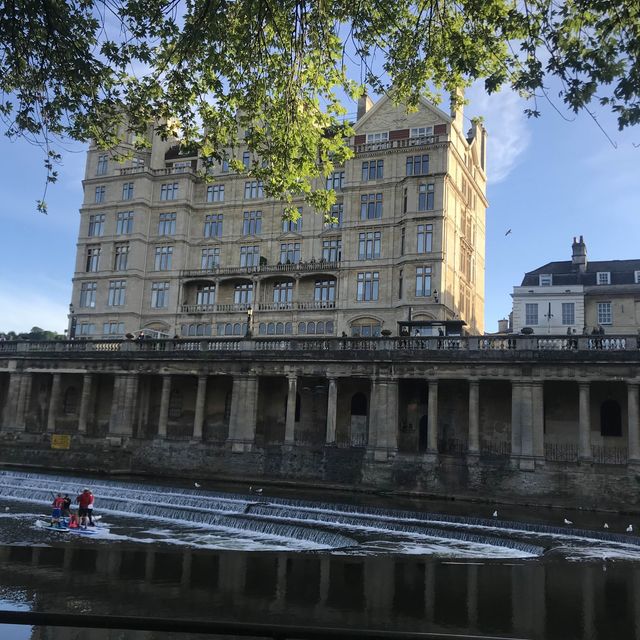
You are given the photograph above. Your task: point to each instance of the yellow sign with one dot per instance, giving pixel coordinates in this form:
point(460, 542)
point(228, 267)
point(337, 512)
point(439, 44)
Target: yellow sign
point(61, 441)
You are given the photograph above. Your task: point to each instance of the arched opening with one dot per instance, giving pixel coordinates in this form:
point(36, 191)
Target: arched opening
point(610, 419)
point(366, 328)
point(70, 402)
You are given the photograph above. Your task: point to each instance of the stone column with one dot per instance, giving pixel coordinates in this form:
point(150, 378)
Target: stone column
point(383, 438)
point(164, 406)
point(54, 401)
point(538, 421)
point(244, 411)
point(332, 410)
point(527, 462)
point(432, 419)
point(85, 401)
point(584, 422)
point(474, 418)
point(516, 419)
point(201, 397)
point(11, 404)
point(131, 384)
point(23, 401)
point(289, 431)
point(634, 422)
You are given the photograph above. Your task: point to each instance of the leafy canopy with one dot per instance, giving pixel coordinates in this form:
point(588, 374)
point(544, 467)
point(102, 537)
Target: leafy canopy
point(276, 69)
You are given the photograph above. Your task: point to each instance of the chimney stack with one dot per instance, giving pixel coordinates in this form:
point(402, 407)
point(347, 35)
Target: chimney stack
point(579, 254)
point(364, 104)
point(457, 111)
point(503, 325)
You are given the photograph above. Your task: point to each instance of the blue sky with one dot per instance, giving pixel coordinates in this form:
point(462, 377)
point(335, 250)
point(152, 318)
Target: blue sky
point(550, 180)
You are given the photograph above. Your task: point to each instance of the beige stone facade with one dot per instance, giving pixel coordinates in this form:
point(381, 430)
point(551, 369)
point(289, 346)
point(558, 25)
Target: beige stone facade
point(162, 250)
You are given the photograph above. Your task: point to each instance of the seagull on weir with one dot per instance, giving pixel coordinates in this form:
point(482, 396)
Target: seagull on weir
point(567, 521)
point(630, 529)
point(495, 514)
point(255, 490)
point(197, 485)
point(606, 526)
point(6, 508)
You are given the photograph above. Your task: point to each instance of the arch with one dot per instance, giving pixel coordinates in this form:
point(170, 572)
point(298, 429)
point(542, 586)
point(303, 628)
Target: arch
point(271, 328)
point(311, 328)
point(319, 327)
point(358, 404)
point(262, 328)
point(329, 327)
point(228, 329)
point(288, 328)
point(610, 419)
point(237, 329)
point(70, 402)
point(302, 328)
point(366, 327)
point(279, 329)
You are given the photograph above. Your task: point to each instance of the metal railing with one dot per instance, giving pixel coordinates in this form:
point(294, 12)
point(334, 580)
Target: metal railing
point(295, 267)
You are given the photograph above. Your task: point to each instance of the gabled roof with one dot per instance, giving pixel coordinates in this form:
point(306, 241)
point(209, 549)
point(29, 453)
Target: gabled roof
point(567, 273)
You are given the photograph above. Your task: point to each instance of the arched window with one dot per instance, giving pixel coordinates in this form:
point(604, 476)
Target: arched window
point(271, 328)
point(228, 329)
point(311, 328)
point(262, 329)
point(175, 404)
point(70, 402)
point(288, 328)
point(302, 328)
point(320, 327)
point(279, 329)
point(359, 404)
point(237, 329)
point(329, 327)
point(610, 419)
point(366, 328)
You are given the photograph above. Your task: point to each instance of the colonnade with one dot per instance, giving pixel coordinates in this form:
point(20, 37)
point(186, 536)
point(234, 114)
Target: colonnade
point(527, 420)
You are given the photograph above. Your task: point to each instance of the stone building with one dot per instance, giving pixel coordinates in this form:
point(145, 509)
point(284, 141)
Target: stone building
point(162, 250)
point(579, 296)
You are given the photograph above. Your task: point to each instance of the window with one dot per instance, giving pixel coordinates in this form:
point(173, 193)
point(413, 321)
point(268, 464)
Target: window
point(243, 293)
point(425, 238)
point(103, 163)
point(603, 277)
point(372, 170)
point(336, 217)
point(545, 280)
point(250, 256)
point(213, 225)
point(195, 329)
point(379, 136)
point(289, 252)
point(117, 290)
point(466, 261)
point(215, 193)
point(425, 197)
point(419, 132)
point(87, 328)
point(417, 165)
point(224, 168)
point(181, 167)
point(366, 328)
point(210, 258)
point(121, 257)
point(137, 163)
point(289, 226)
point(423, 282)
point(163, 257)
point(246, 159)
point(253, 190)
point(169, 191)
point(370, 206)
point(404, 200)
point(167, 224)
point(568, 313)
point(402, 239)
point(127, 191)
point(96, 225)
point(324, 291)
point(400, 284)
point(124, 223)
point(335, 180)
point(100, 192)
point(277, 328)
point(369, 245)
point(113, 328)
point(368, 286)
point(604, 313)
point(93, 258)
point(332, 250)
point(637, 277)
point(88, 294)
point(531, 314)
point(283, 292)
point(159, 295)
point(206, 294)
point(252, 223)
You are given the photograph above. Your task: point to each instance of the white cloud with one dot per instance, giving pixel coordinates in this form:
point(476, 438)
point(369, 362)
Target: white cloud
point(505, 121)
point(22, 310)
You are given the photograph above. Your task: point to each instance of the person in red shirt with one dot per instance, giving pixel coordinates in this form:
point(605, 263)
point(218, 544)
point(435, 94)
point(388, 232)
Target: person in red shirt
point(56, 513)
point(85, 503)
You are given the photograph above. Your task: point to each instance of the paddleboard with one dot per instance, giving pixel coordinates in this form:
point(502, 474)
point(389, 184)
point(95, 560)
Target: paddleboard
point(89, 531)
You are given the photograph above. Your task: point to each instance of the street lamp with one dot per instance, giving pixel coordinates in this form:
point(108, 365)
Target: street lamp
point(72, 324)
point(435, 296)
point(249, 319)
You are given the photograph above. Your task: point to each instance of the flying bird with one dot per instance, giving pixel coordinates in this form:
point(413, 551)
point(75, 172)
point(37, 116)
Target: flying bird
point(508, 232)
point(495, 514)
point(567, 521)
point(197, 485)
point(630, 529)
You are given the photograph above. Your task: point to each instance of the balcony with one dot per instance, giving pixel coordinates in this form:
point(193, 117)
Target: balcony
point(405, 143)
point(298, 267)
point(308, 305)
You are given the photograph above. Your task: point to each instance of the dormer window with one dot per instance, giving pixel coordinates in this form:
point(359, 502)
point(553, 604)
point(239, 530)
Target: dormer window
point(546, 280)
point(379, 136)
point(419, 132)
point(636, 279)
point(603, 277)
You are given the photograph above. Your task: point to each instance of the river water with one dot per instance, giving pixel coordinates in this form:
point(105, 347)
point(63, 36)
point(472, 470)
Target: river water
point(174, 550)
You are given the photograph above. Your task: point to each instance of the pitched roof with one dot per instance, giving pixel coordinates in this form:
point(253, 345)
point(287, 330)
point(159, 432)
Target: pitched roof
point(567, 273)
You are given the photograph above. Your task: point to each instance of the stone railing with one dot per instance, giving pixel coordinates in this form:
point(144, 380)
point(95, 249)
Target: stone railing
point(297, 267)
point(404, 143)
point(472, 344)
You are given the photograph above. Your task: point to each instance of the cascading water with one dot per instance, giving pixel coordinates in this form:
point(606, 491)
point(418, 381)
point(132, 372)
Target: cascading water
point(349, 528)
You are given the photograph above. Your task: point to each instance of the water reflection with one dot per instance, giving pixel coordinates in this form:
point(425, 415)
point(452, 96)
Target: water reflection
point(537, 599)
